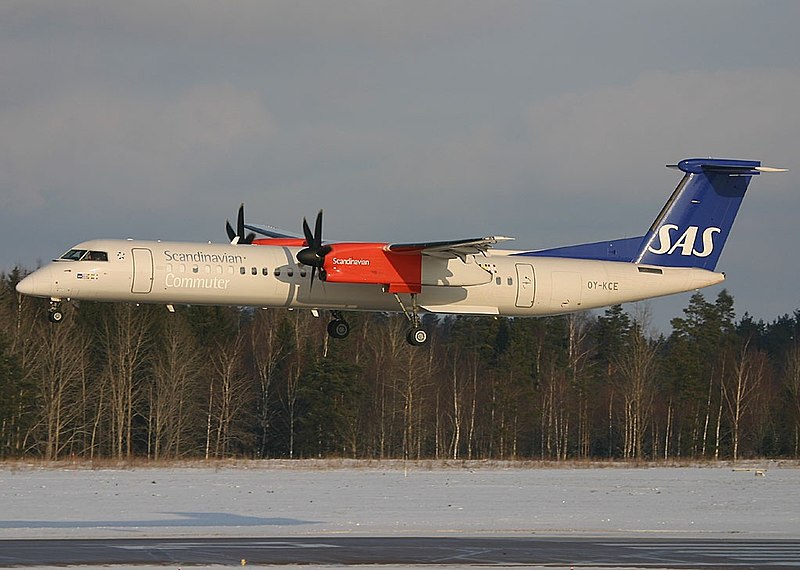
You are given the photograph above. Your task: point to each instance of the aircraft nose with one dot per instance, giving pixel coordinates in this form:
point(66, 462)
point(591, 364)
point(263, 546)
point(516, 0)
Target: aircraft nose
point(28, 285)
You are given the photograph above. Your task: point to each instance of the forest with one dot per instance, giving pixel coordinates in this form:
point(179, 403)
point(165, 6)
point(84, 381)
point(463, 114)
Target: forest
point(122, 381)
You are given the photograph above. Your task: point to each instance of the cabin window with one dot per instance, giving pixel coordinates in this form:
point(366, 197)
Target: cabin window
point(289, 272)
point(303, 272)
point(254, 270)
point(265, 272)
point(498, 280)
point(510, 280)
point(242, 270)
point(277, 272)
point(195, 269)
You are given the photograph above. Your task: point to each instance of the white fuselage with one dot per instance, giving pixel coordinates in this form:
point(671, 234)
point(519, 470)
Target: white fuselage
point(269, 276)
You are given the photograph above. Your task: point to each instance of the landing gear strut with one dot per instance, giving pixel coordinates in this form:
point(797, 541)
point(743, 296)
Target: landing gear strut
point(54, 313)
point(417, 336)
point(338, 327)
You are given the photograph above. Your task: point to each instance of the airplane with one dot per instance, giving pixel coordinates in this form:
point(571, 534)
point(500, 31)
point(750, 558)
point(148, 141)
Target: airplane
point(678, 253)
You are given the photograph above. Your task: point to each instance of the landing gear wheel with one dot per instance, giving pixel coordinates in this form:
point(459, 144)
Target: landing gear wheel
point(338, 328)
point(417, 337)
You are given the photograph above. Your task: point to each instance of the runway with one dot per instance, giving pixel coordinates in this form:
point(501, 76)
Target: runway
point(452, 551)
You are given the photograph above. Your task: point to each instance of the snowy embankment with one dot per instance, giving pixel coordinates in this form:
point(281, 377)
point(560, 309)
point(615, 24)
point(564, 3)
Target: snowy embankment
point(281, 498)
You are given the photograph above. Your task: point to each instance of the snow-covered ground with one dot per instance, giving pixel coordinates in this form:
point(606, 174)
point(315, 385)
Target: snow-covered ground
point(306, 498)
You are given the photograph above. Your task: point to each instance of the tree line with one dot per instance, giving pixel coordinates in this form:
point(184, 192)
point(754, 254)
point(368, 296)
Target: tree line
point(123, 381)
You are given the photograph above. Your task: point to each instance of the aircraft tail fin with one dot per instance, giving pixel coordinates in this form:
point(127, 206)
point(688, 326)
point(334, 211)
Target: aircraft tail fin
point(692, 227)
point(694, 224)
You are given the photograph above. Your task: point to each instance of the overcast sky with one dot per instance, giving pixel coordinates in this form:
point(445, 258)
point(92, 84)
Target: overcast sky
point(547, 121)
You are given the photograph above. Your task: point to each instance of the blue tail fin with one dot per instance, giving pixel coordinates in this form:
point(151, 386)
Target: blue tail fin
point(693, 226)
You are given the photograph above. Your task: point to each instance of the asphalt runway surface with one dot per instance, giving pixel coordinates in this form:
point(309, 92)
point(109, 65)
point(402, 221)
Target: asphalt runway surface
point(638, 552)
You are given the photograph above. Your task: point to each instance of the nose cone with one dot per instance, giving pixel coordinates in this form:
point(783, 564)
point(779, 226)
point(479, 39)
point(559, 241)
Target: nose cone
point(28, 285)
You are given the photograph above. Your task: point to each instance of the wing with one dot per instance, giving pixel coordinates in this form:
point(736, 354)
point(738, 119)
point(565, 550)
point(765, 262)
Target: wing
point(272, 232)
point(459, 248)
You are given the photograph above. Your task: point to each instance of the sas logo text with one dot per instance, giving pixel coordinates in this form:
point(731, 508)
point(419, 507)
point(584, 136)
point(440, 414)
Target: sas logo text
point(686, 243)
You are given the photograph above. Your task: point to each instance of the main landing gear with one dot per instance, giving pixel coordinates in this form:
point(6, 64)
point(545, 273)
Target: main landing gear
point(338, 327)
point(416, 336)
point(54, 313)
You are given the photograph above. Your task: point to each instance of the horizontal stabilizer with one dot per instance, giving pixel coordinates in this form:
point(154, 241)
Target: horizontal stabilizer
point(623, 249)
point(723, 165)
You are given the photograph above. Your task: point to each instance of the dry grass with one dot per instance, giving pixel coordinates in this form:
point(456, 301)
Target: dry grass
point(333, 464)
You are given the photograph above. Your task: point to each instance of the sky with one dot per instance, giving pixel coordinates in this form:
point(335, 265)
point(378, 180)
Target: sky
point(405, 121)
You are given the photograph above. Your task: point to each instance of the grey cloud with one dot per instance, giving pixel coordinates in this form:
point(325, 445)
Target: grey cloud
point(93, 142)
point(748, 113)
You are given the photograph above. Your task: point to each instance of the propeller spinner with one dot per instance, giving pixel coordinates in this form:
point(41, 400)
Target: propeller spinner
point(314, 254)
point(238, 236)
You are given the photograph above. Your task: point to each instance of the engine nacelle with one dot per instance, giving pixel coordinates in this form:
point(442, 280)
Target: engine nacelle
point(399, 272)
point(371, 263)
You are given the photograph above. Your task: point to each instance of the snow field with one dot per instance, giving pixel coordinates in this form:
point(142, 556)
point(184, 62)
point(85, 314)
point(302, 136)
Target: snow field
point(276, 500)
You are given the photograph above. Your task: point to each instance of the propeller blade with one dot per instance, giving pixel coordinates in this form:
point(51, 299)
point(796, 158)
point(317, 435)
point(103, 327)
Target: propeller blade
point(238, 236)
point(307, 233)
point(228, 228)
point(240, 223)
point(318, 231)
point(313, 255)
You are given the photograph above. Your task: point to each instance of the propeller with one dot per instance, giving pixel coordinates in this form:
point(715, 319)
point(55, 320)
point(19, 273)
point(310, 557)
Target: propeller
point(239, 236)
point(314, 254)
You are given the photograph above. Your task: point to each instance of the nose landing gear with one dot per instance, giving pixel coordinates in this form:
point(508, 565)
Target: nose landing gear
point(54, 313)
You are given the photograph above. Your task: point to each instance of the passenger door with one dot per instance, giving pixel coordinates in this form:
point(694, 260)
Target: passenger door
point(142, 270)
point(526, 285)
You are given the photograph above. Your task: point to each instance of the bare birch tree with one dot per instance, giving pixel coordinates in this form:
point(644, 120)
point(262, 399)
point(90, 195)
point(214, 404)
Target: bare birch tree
point(173, 389)
point(125, 338)
point(739, 388)
point(636, 384)
point(267, 351)
point(60, 371)
point(792, 383)
point(231, 393)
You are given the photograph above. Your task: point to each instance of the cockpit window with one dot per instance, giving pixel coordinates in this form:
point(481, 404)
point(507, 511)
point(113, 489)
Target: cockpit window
point(84, 255)
point(96, 256)
point(74, 254)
